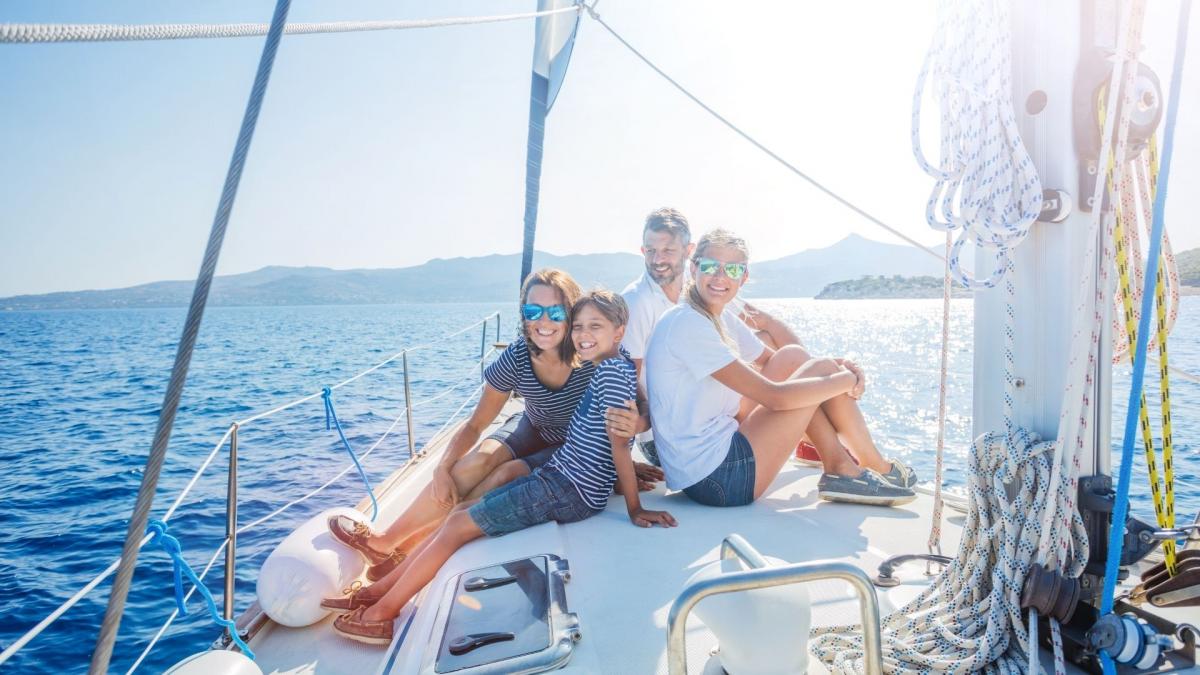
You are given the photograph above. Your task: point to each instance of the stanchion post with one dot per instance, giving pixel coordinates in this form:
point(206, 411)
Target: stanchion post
point(231, 499)
point(408, 415)
point(482, 347)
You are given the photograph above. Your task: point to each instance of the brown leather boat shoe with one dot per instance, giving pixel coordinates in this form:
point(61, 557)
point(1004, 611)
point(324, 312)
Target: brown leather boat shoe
point(354, 627)
point(355, 534)
point(380, 570)
point(351, 599)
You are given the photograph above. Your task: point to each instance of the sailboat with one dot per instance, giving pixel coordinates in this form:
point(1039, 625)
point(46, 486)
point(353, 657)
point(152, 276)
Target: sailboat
point(1033, 582)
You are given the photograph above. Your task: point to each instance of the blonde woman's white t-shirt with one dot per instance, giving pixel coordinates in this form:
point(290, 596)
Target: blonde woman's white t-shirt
point(692, 413)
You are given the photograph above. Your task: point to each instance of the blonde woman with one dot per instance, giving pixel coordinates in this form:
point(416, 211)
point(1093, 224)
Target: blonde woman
point(723, 428)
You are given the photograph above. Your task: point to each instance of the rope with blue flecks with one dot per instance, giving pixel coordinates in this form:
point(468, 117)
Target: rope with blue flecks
point(969, 619)
point(986, 188)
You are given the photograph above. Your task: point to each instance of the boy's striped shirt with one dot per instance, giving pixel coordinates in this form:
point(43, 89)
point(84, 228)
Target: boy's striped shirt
point(586, 457)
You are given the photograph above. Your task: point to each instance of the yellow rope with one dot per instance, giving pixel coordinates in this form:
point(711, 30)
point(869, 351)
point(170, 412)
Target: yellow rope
point(1164, 379)
point(1164, 504)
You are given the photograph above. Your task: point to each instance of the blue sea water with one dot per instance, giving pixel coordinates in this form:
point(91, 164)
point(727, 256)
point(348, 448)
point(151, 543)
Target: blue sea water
point(80, 391)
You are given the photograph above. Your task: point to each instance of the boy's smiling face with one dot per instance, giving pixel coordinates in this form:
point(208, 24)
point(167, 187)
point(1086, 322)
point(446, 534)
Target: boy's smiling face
point(596, 338)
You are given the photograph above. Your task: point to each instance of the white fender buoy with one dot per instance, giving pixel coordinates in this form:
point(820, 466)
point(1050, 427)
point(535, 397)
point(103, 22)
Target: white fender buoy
point(306, 567)
point(763, 631)
point(215, 662)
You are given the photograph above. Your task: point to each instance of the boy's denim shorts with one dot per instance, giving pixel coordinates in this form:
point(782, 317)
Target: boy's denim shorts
point(731, 483)
point(521, 438)
point(540, 497)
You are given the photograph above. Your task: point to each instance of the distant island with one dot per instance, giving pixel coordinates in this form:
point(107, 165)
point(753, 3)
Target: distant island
point(893, 287)
point(897, 286)
point(491, 278)
point(1188, 264)
point(878, 270)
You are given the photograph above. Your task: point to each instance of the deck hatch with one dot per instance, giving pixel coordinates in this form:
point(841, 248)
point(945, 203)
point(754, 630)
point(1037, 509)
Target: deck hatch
point(510, 617)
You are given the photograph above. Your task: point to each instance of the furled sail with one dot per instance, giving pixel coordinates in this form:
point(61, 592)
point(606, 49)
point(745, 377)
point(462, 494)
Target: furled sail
point(551, 54)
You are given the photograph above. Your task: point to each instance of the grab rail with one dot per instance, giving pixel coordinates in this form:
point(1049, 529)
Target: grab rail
point(762, 576)
point(16, 646)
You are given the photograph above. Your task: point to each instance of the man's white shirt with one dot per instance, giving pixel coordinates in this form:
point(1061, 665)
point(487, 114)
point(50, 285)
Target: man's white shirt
point(647, 303)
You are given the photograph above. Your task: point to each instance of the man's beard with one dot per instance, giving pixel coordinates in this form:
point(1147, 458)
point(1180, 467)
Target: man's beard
point(663, 278)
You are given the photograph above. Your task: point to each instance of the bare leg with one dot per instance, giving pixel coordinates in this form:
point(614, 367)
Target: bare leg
point(467, 473)
point(846, 417)
point(821, 432)
point(503, 475)
point(835, 459)
point(420, 568)
point(773, 434)
point(417, 542)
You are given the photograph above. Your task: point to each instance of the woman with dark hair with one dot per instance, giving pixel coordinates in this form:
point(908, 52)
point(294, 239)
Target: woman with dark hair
point(576, 483)
point(543, 368)
point(723, 428)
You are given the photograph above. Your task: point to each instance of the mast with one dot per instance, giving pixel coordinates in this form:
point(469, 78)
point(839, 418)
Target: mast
point(1049, 52)
point(551, 54)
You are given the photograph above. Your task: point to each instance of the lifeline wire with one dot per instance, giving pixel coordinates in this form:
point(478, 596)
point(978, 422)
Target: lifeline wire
point(183, 357)
point(87, 588)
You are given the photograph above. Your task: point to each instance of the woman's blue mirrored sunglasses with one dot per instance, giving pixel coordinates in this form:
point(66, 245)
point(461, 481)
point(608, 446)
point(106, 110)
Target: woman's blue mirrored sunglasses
point(556, 313)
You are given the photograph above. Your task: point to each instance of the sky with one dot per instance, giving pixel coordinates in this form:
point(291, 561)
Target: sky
point(388, 149)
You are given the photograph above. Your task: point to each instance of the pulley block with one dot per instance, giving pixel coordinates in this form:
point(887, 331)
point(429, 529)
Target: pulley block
point(1129, 640)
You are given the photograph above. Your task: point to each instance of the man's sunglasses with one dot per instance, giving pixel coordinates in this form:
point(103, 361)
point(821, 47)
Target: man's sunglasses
point(733, 270)
point(556, 313)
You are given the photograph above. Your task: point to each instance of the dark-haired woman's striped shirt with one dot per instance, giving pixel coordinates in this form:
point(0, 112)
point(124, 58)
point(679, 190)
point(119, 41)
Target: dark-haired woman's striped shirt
point(586, 458)
point(548, 409)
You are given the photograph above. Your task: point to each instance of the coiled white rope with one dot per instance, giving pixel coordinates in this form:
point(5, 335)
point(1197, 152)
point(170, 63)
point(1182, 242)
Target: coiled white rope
point(987, 186)
point(1021, 491)
point(79, 32)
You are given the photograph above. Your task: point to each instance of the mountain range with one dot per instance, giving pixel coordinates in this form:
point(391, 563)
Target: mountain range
point(493, 278)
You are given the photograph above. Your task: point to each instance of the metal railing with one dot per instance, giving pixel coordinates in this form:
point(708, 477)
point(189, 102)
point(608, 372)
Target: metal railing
point(228, 544)
point(760, 575)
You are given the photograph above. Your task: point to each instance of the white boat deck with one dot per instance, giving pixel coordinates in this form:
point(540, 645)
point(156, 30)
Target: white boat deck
point(624, 578)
